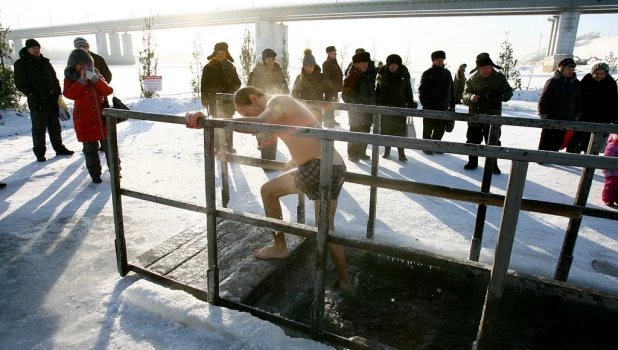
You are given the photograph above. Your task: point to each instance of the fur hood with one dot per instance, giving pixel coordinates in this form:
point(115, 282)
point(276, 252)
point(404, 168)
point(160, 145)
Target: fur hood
point(558, 76)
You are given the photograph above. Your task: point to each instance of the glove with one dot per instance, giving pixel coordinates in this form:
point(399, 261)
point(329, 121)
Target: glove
point(90, 75)
point(451, 109)
point(63, 110)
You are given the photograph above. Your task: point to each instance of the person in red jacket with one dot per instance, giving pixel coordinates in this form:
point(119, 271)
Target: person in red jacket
point(86, 86)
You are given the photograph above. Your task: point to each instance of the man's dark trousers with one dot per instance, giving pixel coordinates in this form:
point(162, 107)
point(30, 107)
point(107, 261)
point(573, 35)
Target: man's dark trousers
point(45, 119)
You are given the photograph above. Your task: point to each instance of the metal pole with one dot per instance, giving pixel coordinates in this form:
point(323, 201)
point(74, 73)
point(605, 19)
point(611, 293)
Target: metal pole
point(581, 198)
point(326, 175)
point(479, 225)
point(222, 151)
point(508, 226)
point(373, 191)
point(212, 273)
point(119, 242)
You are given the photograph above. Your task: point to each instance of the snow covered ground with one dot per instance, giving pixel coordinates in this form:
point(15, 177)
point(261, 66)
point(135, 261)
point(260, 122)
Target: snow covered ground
point(59, 287)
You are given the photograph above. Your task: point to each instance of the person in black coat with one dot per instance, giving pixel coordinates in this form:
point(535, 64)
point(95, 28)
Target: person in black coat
point(599, 104)
point(394, 89)
point(559, 100)
point(334, 82)
point(36, 78)
point(436, 93)
point(359, 88)
point(219, 76)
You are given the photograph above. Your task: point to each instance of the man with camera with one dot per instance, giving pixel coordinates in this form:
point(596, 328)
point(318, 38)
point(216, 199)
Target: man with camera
point(485, 92)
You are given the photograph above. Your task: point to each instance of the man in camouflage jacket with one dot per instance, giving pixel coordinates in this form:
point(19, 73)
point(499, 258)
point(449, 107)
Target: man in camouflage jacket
point(485, 91)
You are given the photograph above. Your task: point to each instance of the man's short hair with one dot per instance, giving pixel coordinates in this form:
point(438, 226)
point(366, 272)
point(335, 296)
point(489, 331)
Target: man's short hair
point(241, 97)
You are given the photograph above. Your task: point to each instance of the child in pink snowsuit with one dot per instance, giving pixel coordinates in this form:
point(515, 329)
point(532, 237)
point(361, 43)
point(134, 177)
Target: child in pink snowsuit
point(610, 190)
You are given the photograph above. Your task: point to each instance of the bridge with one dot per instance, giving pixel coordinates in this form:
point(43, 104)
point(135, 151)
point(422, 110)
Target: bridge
point(564, 20)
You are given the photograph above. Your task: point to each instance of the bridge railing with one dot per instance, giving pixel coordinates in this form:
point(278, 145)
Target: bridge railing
point(512, 202)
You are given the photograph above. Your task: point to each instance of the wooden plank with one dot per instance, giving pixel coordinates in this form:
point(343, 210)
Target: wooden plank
point(122, 263)
point(373, 190)
point(502, 257)
point(151, 256)
point(326, 176)
point(419, 144)
point(581, 198)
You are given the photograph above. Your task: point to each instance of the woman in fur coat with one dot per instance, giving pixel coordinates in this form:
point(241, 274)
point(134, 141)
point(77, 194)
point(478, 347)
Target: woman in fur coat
point(394, 89)
point(86, 86)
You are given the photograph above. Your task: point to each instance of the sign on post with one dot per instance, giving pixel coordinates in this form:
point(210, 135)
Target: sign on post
point(153, 83)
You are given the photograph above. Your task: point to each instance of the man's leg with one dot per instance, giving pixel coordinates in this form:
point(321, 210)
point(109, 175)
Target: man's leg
point(54, 129)
point(337, 252)
point(438, 129)
point(271, 191)
point(473, 135)
point(39, 125)
point(427, 128)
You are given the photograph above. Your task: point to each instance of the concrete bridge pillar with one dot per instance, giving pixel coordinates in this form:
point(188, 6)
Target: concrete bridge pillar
point(272, 35)
point(102, 44)
point(127, 49)
point(562, 39)
point(114, 44)
point(18, 44)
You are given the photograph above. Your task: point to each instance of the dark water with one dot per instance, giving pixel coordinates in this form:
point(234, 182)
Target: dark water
point(409, 306)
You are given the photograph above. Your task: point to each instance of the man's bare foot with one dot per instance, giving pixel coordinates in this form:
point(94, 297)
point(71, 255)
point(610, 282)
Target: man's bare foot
point(345, 288)
point(272, 253)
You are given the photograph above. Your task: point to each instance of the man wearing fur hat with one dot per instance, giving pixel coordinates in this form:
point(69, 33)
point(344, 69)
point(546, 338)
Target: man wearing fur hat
point(36, 78)
point(219, 76)
point(333, 83)
point(485, 91)
point(599, 104)
point(559, 100)
point(436, 93)
point(267, 75)
point(359, 88)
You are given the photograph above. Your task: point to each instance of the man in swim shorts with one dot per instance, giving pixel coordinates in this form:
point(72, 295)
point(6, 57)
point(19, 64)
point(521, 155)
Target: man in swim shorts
point(255, 106)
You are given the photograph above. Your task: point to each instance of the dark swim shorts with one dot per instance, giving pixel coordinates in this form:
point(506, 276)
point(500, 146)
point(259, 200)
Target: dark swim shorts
point(307, 179)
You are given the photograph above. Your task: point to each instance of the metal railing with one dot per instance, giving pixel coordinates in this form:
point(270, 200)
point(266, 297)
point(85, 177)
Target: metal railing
point(512, 203)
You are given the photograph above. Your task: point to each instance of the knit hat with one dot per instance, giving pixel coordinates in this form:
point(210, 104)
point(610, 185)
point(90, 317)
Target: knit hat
point(330, 48)
point(438, 54)
point(566, 63)
point(308, 59)
point(393, 59)
point(361, 57)
point(599, 66)
point(267, 53)
point(79, 56)
point(222, 46)
point(79, 42)
point(32, 43)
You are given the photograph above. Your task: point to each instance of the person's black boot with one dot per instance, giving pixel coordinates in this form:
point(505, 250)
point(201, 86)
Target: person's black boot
point(402, 154)
point(64, 152)
point(496, 170)
point(470, 166)
point(387, 152)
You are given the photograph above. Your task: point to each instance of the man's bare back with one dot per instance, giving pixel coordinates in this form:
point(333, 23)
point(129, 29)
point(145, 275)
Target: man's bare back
point(257, 107)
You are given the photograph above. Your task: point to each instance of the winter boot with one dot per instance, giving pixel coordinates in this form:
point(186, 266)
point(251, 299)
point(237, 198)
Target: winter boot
point(402, 154)
point(387, 152)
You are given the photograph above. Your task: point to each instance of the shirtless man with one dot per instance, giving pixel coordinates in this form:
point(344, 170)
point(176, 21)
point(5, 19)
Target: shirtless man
point(255, 106)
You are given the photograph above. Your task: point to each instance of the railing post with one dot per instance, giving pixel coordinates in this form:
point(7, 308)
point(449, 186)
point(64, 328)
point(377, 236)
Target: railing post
point(479, 225)
point(508, 226)
point(212, 273)
point(221, 154)
point(373, 191)
point(581, 198)
point(300, 209)
point(120, 242)
point(326, 175)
